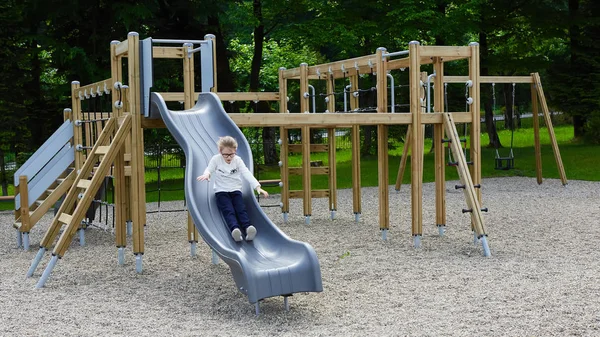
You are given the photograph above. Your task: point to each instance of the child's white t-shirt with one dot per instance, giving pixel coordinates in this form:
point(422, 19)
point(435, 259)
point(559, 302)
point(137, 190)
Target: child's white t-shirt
point(228, 177)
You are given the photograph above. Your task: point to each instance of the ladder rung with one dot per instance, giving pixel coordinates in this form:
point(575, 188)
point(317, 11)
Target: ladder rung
point(102, 150)
point(49, 191)
point(84, 183)
point(60, 180)
point(65, 218)
point(39, 202)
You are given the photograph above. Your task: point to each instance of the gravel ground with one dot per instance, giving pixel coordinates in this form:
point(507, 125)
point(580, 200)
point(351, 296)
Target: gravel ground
point(542, 278)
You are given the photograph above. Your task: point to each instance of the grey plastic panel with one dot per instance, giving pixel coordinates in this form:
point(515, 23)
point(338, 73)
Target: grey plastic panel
point(146, 75)
point(60, 137)
point(48, 174)
point(272, 264)
point(206, 66)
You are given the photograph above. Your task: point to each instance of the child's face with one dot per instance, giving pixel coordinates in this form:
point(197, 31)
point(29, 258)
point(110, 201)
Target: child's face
point(228, 153)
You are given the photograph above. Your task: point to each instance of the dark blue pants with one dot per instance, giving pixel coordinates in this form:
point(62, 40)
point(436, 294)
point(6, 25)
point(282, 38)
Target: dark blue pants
point(231, 205)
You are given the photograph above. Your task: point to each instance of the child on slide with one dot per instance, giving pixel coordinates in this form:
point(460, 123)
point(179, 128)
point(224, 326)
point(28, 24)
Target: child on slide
point(228, 170)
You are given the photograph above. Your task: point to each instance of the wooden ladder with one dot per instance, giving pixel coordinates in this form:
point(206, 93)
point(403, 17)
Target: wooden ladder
point(467, 183)
point(29, 217)
point(82, 192)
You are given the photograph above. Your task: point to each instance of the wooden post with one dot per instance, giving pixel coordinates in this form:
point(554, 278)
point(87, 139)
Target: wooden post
point(332, 146)
point(138, 197)
point(119, 169)
point(382, 142)
point(283, 148)
point(306, 172)
point(438, 147)
point(24, 210)
point(356, 181)
point(417, 138)
point(546, 112)
point(476, 119)
point(77, 133)
point(536, 132)
point(189, 100)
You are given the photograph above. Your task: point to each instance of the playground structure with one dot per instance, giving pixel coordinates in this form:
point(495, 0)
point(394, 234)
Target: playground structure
point(115, 144)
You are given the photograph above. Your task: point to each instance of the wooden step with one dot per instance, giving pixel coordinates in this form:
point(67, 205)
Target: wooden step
point(102, 150)
point(84, 183)
point(60, 180)
point(49, 191)
point(65, 218)
point(39, 202)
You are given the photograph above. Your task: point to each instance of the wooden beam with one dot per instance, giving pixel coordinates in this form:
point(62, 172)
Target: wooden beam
point(225, 96)
point(490, 79)
point(546, 113)
point(313, 148)
point(168, 53)
point(325, 120)
point(445, 51)
point(94, 88)
point(122, 48)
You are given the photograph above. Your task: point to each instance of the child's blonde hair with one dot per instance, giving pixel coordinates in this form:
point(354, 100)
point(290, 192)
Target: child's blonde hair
point(227, 141)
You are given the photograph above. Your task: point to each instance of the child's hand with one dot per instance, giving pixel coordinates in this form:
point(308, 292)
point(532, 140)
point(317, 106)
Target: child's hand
point(263, 192)
point(203, 177)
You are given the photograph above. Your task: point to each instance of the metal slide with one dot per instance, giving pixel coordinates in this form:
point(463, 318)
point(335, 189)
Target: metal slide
point(270, 265)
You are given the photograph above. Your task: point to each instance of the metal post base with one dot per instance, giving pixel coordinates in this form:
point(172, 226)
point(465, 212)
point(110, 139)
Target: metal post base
point(121, 255)
point(193, 249)
point(129, 227)
point(384, 234)
point(286, 303)
point(256, 309)
point(81, 237)
point(26, 241)
point(332, 214)
point(215, 258)
point(47, 272)
point(417, 241)
point(486, 248)
point(357, 217)
point(307, 219)
point(475, 238)
point(441, 229)
point(285, 217)
point(138, 263)
point(36, 261)
point(19, 239)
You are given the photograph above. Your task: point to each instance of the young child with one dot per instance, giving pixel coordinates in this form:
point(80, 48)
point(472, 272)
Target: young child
point(228, 170)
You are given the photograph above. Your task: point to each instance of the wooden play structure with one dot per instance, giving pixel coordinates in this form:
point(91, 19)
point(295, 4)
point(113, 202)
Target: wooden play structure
point(100, 143)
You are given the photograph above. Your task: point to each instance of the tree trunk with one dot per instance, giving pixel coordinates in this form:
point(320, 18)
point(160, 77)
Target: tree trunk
point(574, 35)
point(487, 103)
point(268, 133)
point(3, 180)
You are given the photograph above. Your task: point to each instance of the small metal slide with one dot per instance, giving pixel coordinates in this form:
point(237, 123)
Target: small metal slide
point(270, 265)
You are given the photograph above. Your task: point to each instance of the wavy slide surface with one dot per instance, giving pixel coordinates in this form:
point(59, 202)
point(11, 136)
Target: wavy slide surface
point(270, 265)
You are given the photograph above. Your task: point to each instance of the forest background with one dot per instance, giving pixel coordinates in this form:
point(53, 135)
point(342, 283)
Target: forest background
point(45, 45)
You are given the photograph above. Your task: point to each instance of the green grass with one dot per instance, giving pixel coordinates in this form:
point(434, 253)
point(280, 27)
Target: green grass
point(580, 161)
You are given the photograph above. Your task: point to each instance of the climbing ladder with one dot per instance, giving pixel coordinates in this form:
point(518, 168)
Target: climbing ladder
point(467, 184)
point(307, 170)
point(82, 192)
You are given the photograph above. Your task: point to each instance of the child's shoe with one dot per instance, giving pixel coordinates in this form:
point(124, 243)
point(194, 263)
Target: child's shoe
point(250, 233)
point(236, 234)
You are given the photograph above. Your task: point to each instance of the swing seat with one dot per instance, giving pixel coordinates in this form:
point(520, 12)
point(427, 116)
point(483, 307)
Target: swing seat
point(505, 163)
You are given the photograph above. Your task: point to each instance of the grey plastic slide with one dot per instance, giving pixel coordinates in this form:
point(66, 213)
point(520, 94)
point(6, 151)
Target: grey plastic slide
point(270, 265)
